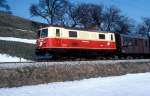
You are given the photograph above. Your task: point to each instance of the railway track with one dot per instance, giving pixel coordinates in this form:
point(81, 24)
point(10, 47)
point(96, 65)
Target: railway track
point(10, 65)
point(82, 60)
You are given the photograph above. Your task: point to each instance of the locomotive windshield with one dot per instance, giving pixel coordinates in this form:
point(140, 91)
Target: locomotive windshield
point(43, 33)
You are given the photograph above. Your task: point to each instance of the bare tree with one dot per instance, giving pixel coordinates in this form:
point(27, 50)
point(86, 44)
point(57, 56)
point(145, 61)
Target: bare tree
point(114, 21)
point(87, 16)
point(125, 25)
point(144, 27)
point(72, 15)
point(111, 18)
point(51, 10)
point(4, 7)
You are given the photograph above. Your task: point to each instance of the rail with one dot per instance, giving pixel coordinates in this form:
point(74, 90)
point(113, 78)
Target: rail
point(12, 65)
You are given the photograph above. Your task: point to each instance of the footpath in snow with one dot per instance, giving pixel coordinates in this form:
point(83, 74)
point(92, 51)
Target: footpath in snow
point(127, 85)
point(30, 41)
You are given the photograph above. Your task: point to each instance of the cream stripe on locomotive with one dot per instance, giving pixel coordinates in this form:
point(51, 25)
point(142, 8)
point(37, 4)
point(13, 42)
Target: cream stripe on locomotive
point(85, 35)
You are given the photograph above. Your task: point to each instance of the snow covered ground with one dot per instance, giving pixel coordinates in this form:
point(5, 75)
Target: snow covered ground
point(7, 58)
point(31, 41)
point(127, 85)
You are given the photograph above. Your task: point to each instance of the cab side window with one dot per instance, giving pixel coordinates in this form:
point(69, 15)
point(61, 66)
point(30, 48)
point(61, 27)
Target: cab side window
point(112, 37)
point(73, 34)
point(57, 32)
point(101, 36)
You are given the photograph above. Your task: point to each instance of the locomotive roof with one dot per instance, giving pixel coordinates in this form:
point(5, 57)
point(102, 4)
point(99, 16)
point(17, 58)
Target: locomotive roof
point(80, 29)
point(77, 29)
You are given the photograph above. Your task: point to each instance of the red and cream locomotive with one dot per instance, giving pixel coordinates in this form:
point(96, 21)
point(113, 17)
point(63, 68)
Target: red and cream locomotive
point(60, 41)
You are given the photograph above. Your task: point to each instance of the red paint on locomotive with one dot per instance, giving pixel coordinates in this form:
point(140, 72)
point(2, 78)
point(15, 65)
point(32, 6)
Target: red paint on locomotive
point(75, 43)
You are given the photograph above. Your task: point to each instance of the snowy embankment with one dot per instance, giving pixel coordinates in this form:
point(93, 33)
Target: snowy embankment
point(7, 58)
point(127, 85)
point(30, 41)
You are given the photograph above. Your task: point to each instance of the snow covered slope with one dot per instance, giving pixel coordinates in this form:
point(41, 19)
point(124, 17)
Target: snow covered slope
point(127, 85)
point(7, 58)
point(31, 41)
point(18, 47)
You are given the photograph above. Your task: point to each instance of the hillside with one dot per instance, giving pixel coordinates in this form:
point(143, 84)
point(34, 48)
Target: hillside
point(14, 26)
point(18, 22)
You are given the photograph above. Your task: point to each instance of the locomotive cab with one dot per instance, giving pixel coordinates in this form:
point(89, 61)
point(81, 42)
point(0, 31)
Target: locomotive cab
point(48, 37)
point(41, 37)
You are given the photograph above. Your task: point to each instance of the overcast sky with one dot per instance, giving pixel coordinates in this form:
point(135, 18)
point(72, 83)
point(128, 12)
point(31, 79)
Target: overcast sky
point(135, 9)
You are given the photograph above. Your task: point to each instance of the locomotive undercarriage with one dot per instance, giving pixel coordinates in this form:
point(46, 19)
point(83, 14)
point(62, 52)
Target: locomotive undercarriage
point(82, 54)
point(74, 54)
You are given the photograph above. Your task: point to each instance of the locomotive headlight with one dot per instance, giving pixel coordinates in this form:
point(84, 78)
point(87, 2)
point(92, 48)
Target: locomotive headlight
point(40, 44)
point(108, 43)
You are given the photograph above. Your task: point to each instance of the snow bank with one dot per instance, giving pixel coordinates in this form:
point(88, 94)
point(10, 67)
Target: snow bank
point(31, 41)
point(127, 85)
point(7, 58)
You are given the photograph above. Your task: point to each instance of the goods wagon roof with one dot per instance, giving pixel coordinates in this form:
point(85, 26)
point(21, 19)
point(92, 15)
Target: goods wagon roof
point(138, 36)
